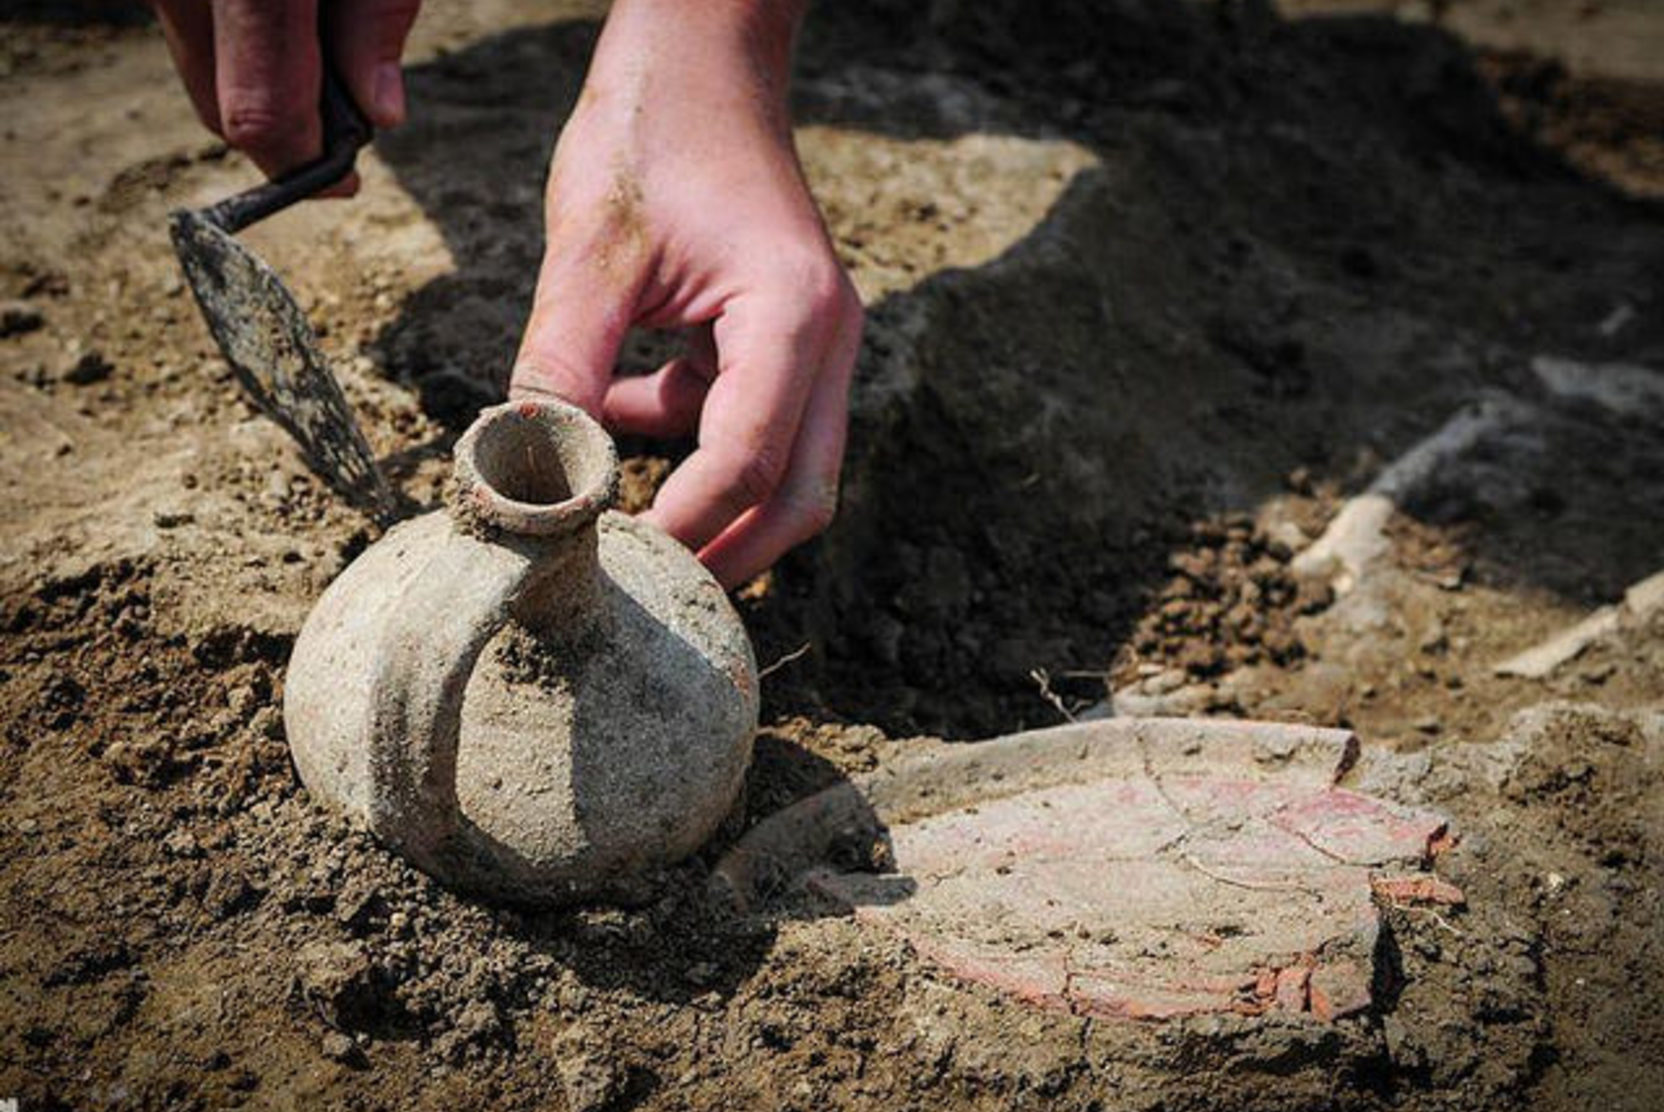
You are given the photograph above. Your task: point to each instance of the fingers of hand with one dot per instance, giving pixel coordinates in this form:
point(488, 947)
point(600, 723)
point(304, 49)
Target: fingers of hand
point(366, 40)
point(772, 429)
point(807, 498)
point(665, 404)
point(188, 27)
point(267, 77)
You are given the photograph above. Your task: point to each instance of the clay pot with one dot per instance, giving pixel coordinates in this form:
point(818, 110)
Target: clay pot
point(531, 697)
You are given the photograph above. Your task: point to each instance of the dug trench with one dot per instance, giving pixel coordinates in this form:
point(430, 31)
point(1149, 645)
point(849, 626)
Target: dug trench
point(1152, 289)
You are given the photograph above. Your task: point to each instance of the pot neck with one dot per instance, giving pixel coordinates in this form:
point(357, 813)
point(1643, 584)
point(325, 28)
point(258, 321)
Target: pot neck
point(535, 477)
point(562, 599)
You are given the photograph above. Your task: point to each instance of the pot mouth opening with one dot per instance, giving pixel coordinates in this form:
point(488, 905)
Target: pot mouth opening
point(535, 467)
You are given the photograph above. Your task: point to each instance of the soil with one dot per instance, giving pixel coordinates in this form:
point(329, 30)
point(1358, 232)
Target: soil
point(1152, 287)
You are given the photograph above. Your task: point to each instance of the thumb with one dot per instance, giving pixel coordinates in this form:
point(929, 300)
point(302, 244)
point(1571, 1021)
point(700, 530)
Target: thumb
point(572, 338)
point(366, 40)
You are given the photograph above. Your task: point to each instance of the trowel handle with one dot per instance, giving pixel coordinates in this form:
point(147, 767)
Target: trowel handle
point(346, 129)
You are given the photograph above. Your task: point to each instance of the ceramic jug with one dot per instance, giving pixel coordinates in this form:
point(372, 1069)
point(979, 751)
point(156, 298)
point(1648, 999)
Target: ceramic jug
point(530, 696)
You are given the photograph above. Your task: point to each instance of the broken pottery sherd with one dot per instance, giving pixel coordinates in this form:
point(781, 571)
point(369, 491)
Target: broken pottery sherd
point(1131, 868)
point(531, 697)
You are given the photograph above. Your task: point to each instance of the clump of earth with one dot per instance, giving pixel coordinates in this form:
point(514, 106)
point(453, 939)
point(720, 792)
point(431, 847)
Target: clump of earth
point(1154, 291)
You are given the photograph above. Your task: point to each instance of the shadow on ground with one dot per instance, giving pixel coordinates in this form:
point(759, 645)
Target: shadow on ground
point(690, 939)
point(1296, 244)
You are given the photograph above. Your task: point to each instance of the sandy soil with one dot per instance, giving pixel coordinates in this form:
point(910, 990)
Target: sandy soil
point(1153, 289)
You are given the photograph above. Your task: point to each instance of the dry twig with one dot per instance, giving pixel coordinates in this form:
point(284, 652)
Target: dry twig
point(785, 660)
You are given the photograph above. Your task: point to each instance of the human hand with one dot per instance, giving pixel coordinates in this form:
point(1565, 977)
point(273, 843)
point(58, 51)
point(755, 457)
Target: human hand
point(254, 69)
point(676, 201)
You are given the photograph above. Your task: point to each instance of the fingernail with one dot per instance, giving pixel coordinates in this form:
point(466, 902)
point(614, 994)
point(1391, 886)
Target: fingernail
point(389, 95)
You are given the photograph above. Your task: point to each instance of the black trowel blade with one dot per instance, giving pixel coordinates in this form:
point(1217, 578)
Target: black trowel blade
point(274, 353)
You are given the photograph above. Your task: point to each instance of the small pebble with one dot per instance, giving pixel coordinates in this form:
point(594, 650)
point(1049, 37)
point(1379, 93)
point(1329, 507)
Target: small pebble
point(338, 1047)
point(18, 317)
point(1289, 535)
point(90, 368)
point(1599, 673)
point(182, 843)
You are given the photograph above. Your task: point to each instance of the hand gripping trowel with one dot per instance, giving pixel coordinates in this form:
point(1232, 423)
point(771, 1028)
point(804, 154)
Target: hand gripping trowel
point(262, 332)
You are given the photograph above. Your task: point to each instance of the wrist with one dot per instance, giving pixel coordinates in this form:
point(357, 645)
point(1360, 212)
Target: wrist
point(741, 45)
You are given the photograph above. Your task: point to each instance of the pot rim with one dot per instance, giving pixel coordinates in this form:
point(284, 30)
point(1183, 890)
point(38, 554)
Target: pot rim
point(535, 467)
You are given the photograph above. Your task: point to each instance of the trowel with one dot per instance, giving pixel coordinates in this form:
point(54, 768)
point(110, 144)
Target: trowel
point(260, 329)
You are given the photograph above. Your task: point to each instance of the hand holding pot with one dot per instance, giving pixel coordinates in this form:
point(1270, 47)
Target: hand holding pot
point(676, 201)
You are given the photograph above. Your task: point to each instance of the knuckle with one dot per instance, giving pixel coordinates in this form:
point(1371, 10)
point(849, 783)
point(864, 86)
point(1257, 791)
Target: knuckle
point(809, 508)
point(550, 375)
point(258, 121)
point(816, 513)
point(817, 279)
point(756, 474)
point(825, 289)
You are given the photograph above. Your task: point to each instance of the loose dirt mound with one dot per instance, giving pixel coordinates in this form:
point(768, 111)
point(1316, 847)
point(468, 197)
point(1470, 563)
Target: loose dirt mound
point(1152, 288)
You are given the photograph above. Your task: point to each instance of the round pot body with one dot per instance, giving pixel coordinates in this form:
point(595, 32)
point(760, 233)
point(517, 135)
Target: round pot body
point(531, 697)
